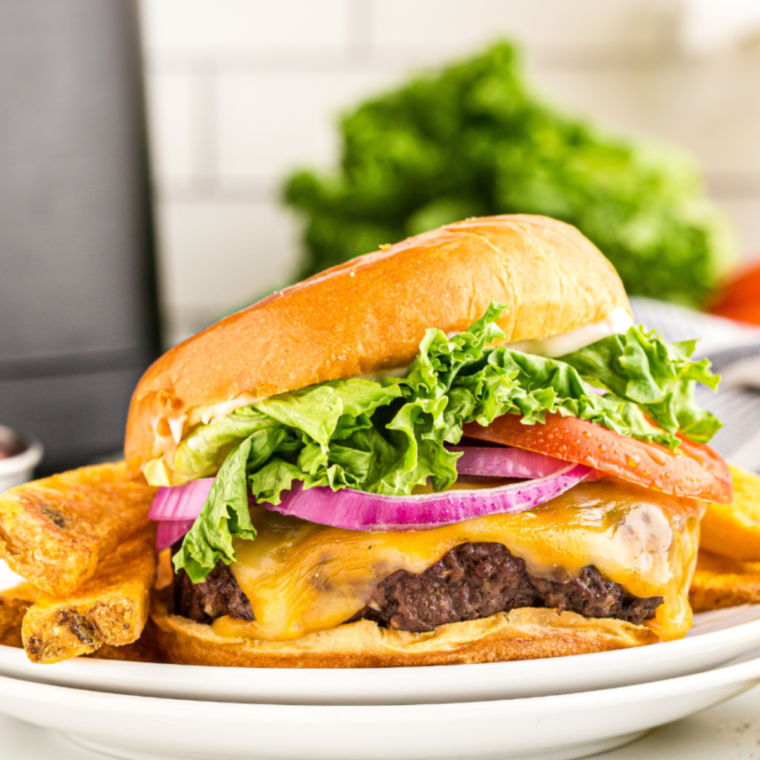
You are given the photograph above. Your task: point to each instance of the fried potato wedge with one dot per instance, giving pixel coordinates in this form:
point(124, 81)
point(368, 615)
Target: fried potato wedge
point(110, 608)
point(54, 531)
point(14, 603)
point(145, 649)
point(733, 530)
point(722, 582)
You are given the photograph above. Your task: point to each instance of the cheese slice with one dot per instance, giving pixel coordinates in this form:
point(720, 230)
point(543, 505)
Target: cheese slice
point(301, 577)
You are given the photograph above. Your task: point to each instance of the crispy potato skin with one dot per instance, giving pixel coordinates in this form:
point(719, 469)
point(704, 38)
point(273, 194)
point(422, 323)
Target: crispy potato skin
point(522, 634)
point(54, 531)
point(111, 608)
point(145, 649)
point(733, 530)
point(14, 603)
point(728, 567)
point(722, 582)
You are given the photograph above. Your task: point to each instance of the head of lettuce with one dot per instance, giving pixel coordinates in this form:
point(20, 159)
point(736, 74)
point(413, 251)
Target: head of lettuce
point(473, 139)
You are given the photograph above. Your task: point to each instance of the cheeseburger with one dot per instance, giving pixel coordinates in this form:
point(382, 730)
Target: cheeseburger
point(456, 449)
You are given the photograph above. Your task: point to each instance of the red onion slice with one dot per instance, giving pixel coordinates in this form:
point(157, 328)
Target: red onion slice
point(170, 531)
point(181, 502)
point(177, 508)
point(356, 510)
point(505, 462)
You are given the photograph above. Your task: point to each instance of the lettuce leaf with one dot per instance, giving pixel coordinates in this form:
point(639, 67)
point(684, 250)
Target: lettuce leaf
point(388, 437)
point(225, 516)
point(201, 454)
point(658, 376)
point(281, 439)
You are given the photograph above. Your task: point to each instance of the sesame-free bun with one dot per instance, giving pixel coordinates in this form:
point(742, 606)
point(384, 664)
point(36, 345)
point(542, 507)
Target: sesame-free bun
point(369, 315)
point(522, 634)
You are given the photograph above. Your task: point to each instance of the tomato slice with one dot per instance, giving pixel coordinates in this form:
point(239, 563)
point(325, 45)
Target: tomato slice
point(694, 470)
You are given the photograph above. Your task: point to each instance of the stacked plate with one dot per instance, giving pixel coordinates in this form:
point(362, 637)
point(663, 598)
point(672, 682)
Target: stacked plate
point(561, 708)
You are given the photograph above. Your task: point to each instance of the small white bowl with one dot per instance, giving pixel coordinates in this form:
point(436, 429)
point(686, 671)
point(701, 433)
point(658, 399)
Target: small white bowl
point(17, 468)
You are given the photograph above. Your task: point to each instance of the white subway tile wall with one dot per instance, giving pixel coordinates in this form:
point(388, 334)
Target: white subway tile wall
point(246, 27)
point(269, 122)
point(241, 92)
point(176, 137)
point(218, 254)
point(579, 28)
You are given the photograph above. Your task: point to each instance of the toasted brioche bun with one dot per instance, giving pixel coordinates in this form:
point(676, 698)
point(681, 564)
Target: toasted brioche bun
point(370, 314)
point(522, 634)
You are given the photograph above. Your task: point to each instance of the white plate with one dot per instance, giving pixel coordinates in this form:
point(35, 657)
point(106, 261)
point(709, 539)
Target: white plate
point(716, 638)
point(546, 728)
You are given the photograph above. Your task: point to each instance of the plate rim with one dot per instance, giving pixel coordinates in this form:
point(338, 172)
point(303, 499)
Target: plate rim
point(407, 686)
point(743, 671)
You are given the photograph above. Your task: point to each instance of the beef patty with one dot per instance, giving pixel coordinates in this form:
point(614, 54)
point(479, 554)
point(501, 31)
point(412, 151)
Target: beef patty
point(472, 581)
point(476, 580)
point(218, 595)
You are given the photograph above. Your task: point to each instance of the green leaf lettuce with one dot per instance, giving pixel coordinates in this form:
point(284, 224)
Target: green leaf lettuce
point(388, 437)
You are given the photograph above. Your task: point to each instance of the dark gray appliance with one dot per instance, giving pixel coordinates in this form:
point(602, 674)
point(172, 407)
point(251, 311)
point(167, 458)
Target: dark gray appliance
point(78, 306)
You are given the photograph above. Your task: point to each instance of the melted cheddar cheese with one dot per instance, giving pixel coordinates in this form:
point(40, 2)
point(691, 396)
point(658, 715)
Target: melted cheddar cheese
point(301, 577)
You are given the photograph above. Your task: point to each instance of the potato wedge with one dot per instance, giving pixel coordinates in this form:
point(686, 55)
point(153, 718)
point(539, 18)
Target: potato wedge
point(54, 531)
point(14, 603)
point(733, 530)
point(110, 608)
point(722, 582)
point(145, 649)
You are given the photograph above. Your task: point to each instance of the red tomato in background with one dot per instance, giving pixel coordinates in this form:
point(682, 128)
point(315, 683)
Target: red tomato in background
point(740, 298)
point(695, 470)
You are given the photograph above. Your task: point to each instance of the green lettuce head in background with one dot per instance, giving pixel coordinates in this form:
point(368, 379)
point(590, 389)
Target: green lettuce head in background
point(475, 140)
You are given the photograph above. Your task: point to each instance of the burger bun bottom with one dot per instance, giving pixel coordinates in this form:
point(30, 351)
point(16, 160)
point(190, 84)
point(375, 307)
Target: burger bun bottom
point(522, 634)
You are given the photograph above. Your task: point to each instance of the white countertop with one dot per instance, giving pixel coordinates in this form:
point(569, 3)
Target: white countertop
point(728, 732)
